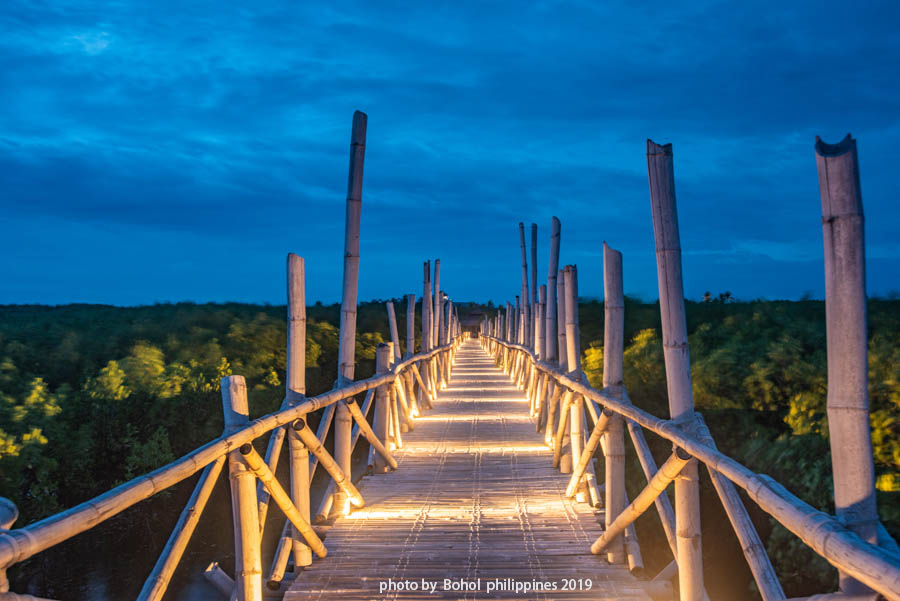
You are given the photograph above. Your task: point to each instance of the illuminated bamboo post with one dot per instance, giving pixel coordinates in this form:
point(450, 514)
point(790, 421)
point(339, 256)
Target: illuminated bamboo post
point(550, 321)
point(438, 316)
point(247, 558)
point(534, 287)
point(392, 322)
point(845, 318)
point(541, 347)
point(382, 404)
point(522, 309)
point(295, 383)
point(410, 325)
point(678, 370)
point(347, 344)
point(573, 357)
point(613, 349)
point(426, 308)
point(282, 554)
point(561, 351)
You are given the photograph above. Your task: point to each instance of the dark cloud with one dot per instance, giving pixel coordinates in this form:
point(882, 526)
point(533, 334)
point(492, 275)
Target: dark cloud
point(161, 152)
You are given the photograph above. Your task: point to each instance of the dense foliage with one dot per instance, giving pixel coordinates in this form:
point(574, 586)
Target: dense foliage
point(93, 395)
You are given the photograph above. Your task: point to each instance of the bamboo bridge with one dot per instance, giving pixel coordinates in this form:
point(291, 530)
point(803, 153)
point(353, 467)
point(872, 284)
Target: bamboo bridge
point(494, 470)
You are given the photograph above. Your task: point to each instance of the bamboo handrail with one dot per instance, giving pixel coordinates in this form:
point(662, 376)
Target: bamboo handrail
point(875, 567)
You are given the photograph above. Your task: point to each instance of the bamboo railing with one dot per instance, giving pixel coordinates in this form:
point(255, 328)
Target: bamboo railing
point(550, 375)
point(403, 385)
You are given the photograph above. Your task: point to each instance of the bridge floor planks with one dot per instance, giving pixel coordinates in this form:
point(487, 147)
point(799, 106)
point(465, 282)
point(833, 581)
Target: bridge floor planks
point(475, 497)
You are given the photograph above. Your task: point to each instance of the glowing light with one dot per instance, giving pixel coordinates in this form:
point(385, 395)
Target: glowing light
point(347, 507)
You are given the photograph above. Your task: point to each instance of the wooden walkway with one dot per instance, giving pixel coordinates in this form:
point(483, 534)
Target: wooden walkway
point(475, 497)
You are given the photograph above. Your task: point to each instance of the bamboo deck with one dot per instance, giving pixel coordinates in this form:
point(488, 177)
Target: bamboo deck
point(475, 497)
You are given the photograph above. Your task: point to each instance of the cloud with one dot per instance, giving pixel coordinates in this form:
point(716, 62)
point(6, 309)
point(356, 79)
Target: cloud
point(222, 125)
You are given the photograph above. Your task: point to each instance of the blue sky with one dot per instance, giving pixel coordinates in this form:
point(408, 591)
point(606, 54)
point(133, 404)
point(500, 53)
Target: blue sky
point(157, 152)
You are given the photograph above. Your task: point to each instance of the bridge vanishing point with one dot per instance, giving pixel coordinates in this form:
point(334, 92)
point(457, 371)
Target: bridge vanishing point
point(495, 470)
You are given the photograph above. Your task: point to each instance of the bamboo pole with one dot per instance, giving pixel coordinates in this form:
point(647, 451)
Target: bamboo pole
point(382, 406)
point(347, 342)
point(341, 479)
point(406, 410)
point(667, 473)
point(522, 309)
point(438, 313)
point(410, 325)
point(534, 287)
point(217, 577)
point(295, 384)
point(576, 417)
point(585, 456)
point(573, 341)
point(247, 559)
point(259, 468)
point(754, 551)
point(542, 324)
point(367, 432)
point(395, 337)
point(561, 344)
point(648, 465)
point(845, 313)
point(426, 308)
point(552, 407)
point(613, 358)
point(395, 419)
point(559, 450)
point(551, 290)
point(158, 581)
point(282, 554)
point(678, 371)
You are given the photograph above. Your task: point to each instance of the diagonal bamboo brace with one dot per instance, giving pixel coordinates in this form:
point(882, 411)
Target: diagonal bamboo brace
point(666, 474)
point(366, 430)
point(281, 498)
point(589, 450)
point(563, 425)
point(315, 447)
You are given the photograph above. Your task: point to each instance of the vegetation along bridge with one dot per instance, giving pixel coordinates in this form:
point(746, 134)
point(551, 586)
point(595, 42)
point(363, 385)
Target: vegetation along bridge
point(482, 479)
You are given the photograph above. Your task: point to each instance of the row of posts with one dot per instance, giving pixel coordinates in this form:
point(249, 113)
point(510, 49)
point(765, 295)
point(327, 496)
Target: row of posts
point(531, 322)
point(440, 324)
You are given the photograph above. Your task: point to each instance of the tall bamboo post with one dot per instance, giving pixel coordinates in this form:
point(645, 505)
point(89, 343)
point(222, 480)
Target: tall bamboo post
point(410, 325)
point(551, 290)
point(523, 309)
point(613, 349)
point(247, 558)
point(542, 324)
point(438, 317)
point(295, 383)
point(382, 404)
point(573, 357)
point(573, 339)
point(343, 423)
point(561, 345)
point(426, 308)
point(678, 370)
point(534, 286)
point(392, 322)
point(845, 314)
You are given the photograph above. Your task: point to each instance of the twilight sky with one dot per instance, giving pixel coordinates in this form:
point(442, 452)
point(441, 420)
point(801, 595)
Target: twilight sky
point(153, 152)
